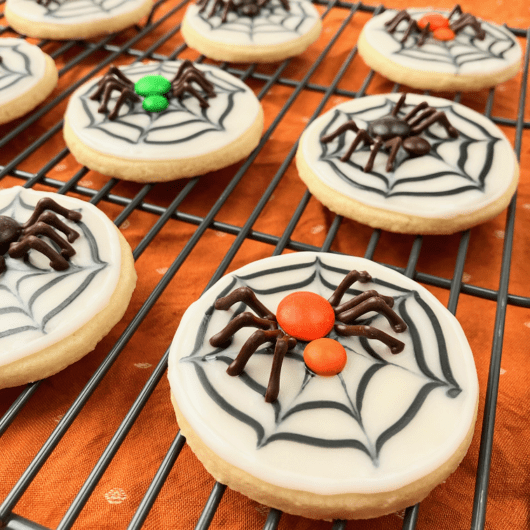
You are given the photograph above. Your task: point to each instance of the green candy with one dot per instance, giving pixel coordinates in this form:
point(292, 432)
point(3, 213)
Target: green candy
point(151, 85)
point(155, 103)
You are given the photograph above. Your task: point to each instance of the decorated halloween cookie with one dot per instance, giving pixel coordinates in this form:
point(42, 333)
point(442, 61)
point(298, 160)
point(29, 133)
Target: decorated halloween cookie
point(162, 121)
point(430, 49)
point(251, 30)
point(362, 418)
point(66, 278)
point(73, 19)
point(408, 163)
point(27, 77)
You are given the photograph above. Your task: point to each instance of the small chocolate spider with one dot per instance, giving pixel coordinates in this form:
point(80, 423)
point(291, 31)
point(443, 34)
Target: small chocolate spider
point(293, 322)
point(17, 239)
point(114, 79)
point(248, 8)
point(440, 27)
point(391, 132)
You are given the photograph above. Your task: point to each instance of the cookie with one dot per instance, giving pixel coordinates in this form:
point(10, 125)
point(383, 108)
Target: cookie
point(455, 51)
point(64, 282)
point(211, 120)
point(441, 169)
point(73, 19)
point(349, 408)
point(251, 31)
point(27, 77)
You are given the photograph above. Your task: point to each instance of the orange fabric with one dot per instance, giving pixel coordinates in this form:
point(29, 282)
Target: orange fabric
point(181, 500)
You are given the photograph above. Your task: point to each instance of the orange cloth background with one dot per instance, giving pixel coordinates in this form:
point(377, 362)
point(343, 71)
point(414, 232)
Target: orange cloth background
point(182, 498)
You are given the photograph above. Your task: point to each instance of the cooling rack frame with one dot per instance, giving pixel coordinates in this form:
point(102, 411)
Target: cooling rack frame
point(455, 285)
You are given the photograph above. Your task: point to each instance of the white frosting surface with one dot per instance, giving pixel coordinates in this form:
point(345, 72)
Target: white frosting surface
point(69, 12)
point(386, 420)
point(21, 68)
point(183, 130)
point(459, 175)
point(41, 306)
point(273, 25)
point(464, 55)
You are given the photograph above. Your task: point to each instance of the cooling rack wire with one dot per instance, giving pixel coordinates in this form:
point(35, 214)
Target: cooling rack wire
point(294, 92)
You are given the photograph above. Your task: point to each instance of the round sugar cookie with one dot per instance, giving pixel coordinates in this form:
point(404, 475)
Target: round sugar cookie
point(74, 19)
point(375, 438)
point(27, 77)
point(192, 136)
point(464, 62)
point(460, 182)
point(51, 315)
point(273, 33)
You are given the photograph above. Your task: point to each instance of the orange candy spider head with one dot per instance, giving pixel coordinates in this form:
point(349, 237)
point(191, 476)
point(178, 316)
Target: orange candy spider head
point(325, 357)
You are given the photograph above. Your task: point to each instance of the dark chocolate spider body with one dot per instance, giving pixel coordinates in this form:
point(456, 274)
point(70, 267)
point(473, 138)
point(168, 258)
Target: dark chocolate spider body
point(269, 329)
point(17, 240)
point(391, 132)
point(440, 28)
point(186, 77)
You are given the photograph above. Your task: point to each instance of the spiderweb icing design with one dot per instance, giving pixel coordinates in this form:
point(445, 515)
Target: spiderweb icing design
point(464, 162)
point(353, 388)
point(11, 76)
point(183, 120)
point(65, 9)
point(272, 19)
point(464, 49)
point(28, 288)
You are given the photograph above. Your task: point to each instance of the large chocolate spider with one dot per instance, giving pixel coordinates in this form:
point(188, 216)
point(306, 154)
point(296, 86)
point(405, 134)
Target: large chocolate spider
point(392, 132)
point(155, 87)
point(248, 8)
point(18, 240)
point(309, 317)
point(440, 27)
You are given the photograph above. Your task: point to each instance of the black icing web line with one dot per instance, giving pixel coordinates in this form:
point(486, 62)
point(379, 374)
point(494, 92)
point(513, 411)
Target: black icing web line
point(62, 9)
point(352, 407)
point(8, 77)
point(188, 113)
point(333, 151)
point(22, 271)
point(272, 18)
point(464, 48)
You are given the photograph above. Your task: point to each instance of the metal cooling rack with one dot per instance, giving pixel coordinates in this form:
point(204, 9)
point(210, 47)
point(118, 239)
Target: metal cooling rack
point(110, 50)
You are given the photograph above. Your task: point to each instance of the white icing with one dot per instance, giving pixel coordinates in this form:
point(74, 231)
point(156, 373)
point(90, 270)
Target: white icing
point(133, 134)
point(21, 68)
point(465, 55)
point(69, 12)
point(479, 134)
point(28, 295)
point(420, 447)
point(273, 25)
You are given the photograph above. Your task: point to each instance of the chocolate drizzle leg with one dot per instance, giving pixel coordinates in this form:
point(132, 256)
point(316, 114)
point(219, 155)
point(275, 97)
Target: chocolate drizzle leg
point(18, 240)
point(183, 81)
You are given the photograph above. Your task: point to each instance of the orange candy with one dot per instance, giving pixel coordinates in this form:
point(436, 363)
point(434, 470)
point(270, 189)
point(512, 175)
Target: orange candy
point(305, 315)
point(443, 34)
point(435, 20)
point(325, 357)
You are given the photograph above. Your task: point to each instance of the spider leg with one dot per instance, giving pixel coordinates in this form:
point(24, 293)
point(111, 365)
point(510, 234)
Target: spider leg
point(2, 264)
point(47, 203)
point(467, 19)
point(20, 249)
point(348, 126)
point(437, 117)
point(283, 344)
point(121, 100)
point(394, 144)
point(375, 149)
point(398, 105)
point(362, 135)
point(255, 340)
point(247, 296)
point(345, 284)
point(427, 114)
point(356, 300)
point(246, 319)
point(392, 24)
point(43, 229)
point(415, 110)
point(456, 10)
point(378, 304)
point(413, 26)
point(395, 345)
point(51, 220)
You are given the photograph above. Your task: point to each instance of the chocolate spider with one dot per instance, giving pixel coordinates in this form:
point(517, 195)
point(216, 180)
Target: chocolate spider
point(154, 87)
point(17, 239)
point(249, 8)
point(114, 79)
point(291, 323)
point(391, 132)
point(440, 27)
